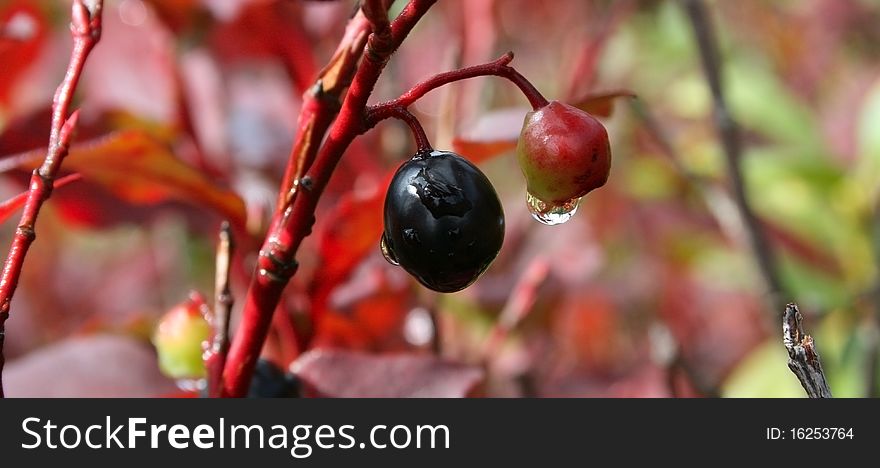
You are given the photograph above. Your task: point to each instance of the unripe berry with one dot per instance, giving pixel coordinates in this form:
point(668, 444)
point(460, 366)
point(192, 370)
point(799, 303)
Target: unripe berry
point(443, 221)
point(564, 153)
point(179, 339)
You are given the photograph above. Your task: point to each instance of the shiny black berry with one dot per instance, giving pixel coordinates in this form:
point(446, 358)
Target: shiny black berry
point(270, 381)
point(443, 221)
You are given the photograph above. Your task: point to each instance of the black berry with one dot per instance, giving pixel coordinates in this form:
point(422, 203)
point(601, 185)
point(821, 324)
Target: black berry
point(443, 220)
point(270, 381)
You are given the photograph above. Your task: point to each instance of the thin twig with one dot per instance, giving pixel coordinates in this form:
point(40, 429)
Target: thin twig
point(803, 358)
point(86, 31)
point(215, 359)
point(729, 133)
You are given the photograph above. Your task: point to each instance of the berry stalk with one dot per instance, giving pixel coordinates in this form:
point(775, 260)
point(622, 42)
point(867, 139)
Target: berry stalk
point(423, 145)
point(499, 67)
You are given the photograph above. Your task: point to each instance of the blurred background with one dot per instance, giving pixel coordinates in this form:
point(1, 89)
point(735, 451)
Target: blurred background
point(188, 114)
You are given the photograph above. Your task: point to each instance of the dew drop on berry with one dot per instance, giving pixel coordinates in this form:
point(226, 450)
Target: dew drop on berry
point(388, 253)
point(551, 214)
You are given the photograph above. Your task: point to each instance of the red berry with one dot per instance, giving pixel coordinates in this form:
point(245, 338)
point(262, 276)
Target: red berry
point(564, 153)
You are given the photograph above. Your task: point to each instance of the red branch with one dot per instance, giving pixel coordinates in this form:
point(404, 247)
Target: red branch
point(321, 104)
point(86, 31)
point(276, 263)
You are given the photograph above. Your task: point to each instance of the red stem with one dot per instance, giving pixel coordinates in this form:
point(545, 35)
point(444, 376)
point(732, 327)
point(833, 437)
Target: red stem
point(498, 67)
point(10, 206)
point(86, 31)
point(423, 145)
point(321, 104)
point(276, 262)
point(397, 108)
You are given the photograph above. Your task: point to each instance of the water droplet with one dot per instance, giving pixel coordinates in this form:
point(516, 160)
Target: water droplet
point(191, 384)
point(551, 214)
point(388, 253)
point(454, 233)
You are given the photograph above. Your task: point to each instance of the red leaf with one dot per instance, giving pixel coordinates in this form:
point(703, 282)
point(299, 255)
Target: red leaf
point(15, 203)
point(346, 235)
point(347, 374)
point(95, 366)
point(367, 311)
point(601, 104)
point(89, 205)
point(587, 326)
point(141, 169)
point(269, 29)
point(179, 15)
point(349, 232)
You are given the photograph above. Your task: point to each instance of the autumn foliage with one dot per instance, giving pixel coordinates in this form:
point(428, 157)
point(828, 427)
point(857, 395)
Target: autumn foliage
point(190, 112)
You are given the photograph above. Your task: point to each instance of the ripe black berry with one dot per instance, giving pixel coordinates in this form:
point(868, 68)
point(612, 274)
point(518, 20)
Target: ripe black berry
point(270, 381)
point(443, 221)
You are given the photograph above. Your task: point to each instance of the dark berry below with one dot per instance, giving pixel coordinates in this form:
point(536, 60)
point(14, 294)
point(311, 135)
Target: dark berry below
point(270, 381)
point(443, 221)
